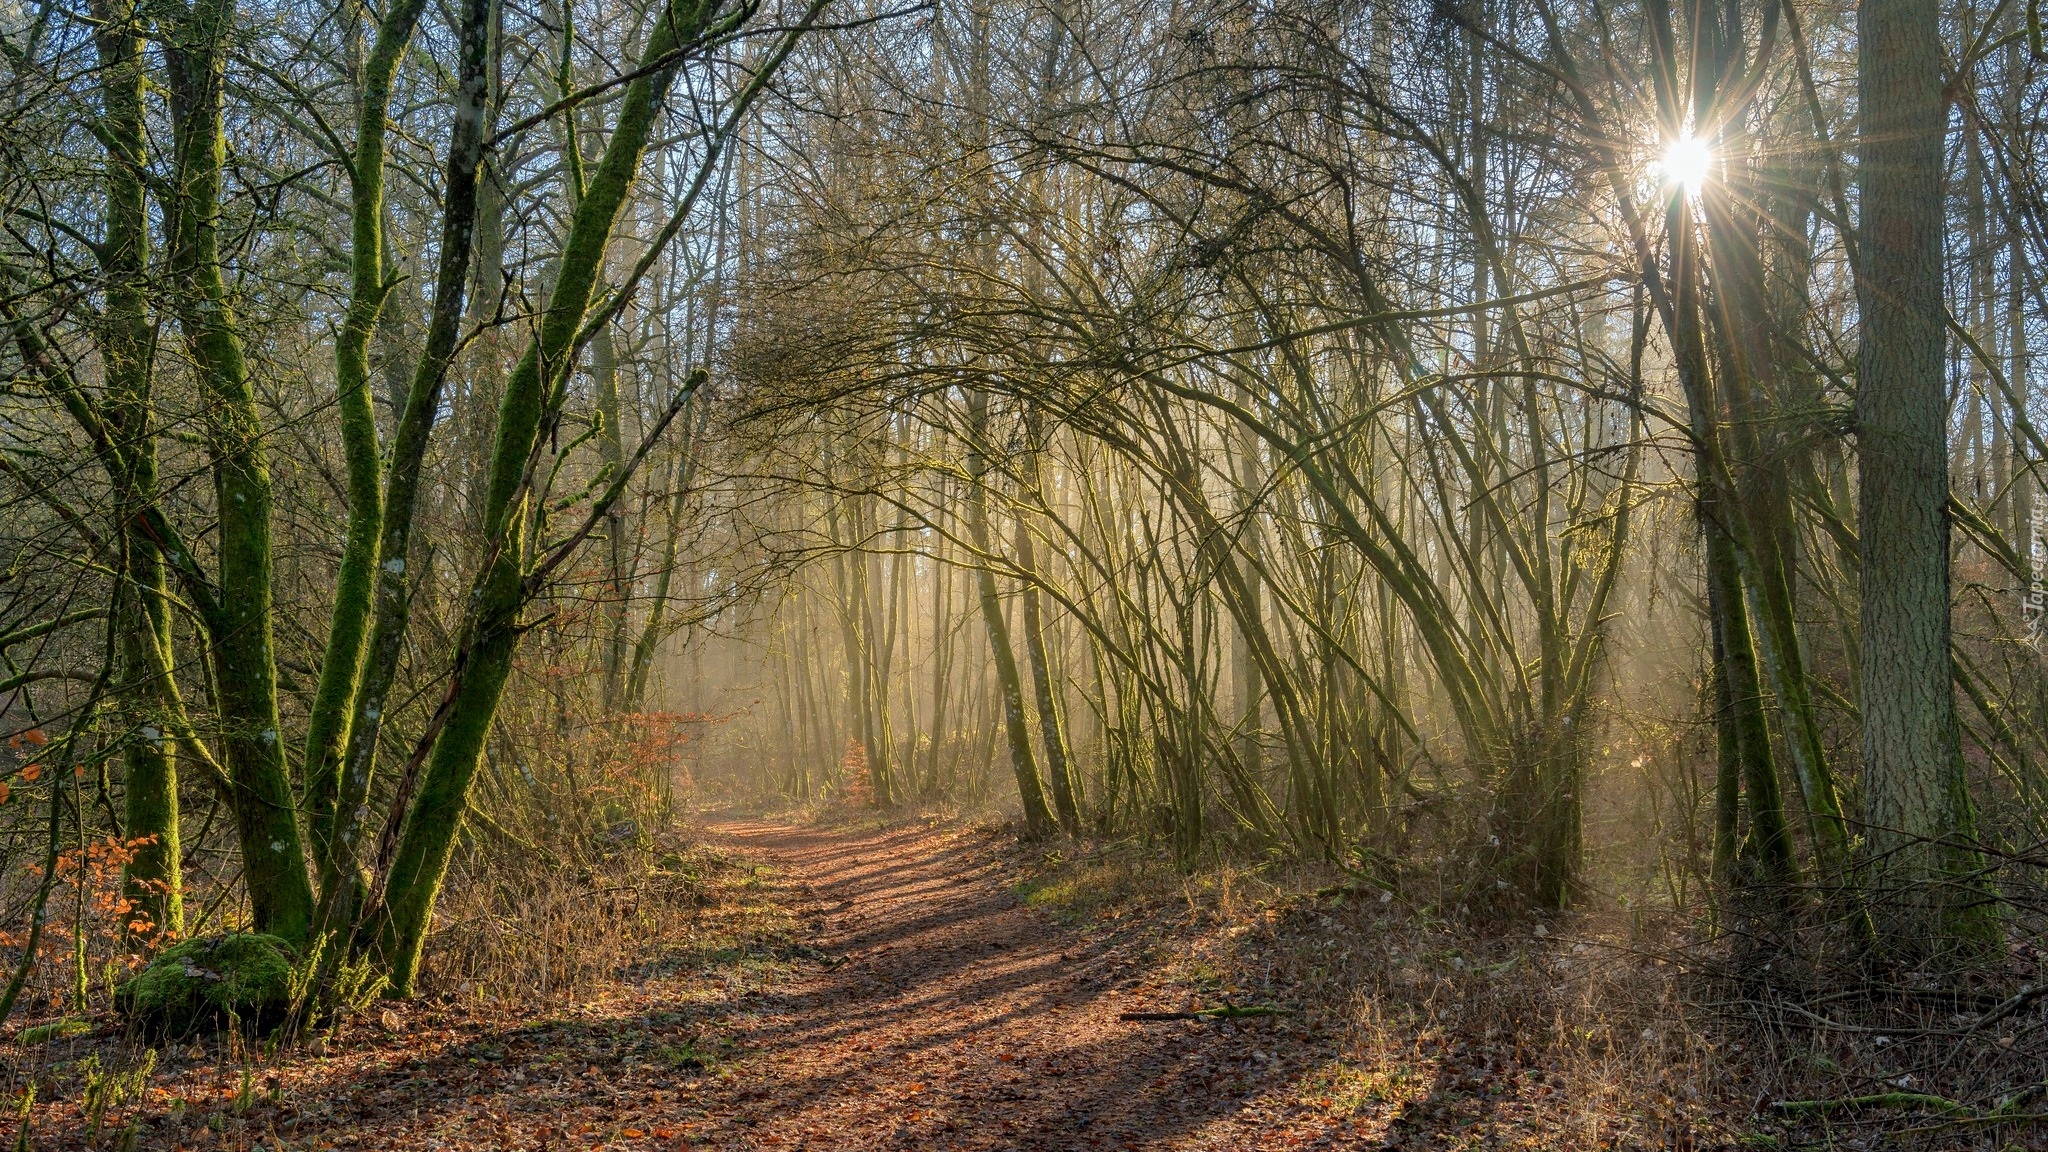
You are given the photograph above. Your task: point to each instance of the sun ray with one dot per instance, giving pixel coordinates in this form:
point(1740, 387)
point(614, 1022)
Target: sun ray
point(1686, 163)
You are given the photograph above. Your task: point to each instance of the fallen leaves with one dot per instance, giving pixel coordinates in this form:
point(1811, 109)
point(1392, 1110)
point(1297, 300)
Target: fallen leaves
point(943, 1036)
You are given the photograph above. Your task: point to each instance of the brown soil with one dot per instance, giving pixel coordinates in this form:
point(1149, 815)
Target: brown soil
point(961, 1019)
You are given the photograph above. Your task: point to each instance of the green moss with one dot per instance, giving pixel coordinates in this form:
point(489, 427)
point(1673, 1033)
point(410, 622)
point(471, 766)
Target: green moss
point(242, 977)
point(63, 1029)
point(1094, 887)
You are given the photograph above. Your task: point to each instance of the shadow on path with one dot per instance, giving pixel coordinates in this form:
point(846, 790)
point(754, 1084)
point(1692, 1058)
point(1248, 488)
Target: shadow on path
point(961, 1019)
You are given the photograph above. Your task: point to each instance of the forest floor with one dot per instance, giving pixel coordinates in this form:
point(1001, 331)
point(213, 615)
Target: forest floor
point(928, 985)
point(962, 1018)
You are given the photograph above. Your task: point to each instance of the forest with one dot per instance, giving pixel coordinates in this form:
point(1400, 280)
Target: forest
point(1023, 574)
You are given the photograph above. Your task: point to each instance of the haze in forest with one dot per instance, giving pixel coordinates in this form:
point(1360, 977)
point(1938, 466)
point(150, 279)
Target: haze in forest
point(1536, 473)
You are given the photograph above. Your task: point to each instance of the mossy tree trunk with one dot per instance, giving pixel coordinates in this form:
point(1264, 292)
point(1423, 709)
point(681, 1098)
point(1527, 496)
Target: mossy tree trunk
point(490, 627)
point(196, 42)
point(1759, 495)
point(327, 725)
point(340, 864)
point(1740, 679)
point(152, 883)
point(1754, 635)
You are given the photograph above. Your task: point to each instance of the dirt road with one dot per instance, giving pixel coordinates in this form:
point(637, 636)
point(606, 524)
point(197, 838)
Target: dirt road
point(960, 1019)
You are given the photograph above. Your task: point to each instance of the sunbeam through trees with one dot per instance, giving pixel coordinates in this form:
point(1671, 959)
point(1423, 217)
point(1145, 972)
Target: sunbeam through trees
point(1297, 493)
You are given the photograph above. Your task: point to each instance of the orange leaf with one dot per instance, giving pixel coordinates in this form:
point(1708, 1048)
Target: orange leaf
point(31, 771)
point(35, 736)
point(634, 1133)
point(3, 791)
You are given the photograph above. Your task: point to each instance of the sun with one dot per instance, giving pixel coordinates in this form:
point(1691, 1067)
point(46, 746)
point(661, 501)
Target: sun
point(1687, 162)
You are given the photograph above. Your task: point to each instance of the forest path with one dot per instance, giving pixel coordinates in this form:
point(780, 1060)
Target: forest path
point(962, 1019)
point(844, 988)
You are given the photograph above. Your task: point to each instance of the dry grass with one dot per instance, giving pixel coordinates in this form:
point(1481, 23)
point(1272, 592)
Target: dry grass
point(1599, 1029)
point(527, 930)
point(1562, 1033)
point(1603, 1028)
point(519, 945)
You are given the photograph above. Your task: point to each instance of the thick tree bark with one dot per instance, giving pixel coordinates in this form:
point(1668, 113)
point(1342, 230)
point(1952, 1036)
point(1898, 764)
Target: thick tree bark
point(1920, 825)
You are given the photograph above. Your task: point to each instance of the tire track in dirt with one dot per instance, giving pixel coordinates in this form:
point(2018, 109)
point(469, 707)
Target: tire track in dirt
point(962, 1019)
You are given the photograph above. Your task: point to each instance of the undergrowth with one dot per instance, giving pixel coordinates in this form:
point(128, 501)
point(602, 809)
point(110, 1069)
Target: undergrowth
point(1606, 1027)
point(518, 940)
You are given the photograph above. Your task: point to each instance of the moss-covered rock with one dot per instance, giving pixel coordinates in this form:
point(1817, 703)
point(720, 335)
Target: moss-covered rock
point(242, 977)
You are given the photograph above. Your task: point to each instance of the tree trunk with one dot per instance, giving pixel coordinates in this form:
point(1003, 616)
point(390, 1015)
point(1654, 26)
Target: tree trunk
point(239, 632)
point(1920, 825)
point(152, 883)
point(340, 865)
point(604, 368)
point(1052, 729)
point(327, 723)
point(1038, 819)
point(657, 609)
point(490, 626)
